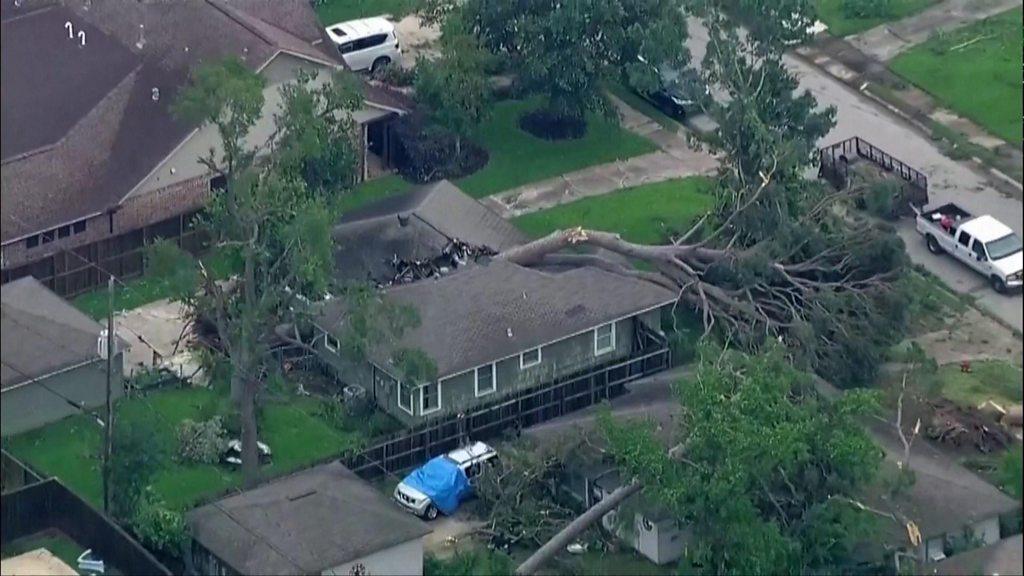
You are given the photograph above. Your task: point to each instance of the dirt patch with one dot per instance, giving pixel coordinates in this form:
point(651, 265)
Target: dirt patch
point(549, 126)
point(972, 336)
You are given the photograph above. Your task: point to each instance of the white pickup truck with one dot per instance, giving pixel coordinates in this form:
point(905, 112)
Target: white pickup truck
point(983, 243)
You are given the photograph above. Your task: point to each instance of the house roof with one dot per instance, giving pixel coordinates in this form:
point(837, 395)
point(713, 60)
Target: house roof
point(943, 504)
point(1003, 557)
point(486, 312)
point(303, 524)
point(81, 127)
point(42, 333)
point(368, 238)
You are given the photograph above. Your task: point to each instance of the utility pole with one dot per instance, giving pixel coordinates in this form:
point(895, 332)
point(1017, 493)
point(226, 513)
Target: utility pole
point(108, 430)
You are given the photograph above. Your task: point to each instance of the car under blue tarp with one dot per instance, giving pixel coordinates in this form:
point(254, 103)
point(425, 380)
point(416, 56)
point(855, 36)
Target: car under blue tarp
point(442, 481)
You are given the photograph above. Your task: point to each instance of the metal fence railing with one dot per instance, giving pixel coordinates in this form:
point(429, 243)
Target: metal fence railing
point(519, 410)
point(834, 165)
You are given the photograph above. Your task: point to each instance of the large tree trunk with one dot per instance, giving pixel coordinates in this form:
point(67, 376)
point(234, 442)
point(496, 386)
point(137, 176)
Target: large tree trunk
point(575, 528)
point(246, 375)
point(772, 304)
point(250, 449)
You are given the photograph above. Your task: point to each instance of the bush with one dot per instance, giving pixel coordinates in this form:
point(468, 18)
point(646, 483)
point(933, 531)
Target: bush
point(550, 126)
point(882, 199)
point(135, 457)
point(867, 8)
point(395, 75)
point(201, 442)
point(160, 528)
point(428, 153)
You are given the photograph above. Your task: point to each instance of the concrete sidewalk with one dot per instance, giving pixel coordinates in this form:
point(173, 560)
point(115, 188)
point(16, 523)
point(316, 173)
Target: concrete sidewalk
point(886, 41)
point(678, 158)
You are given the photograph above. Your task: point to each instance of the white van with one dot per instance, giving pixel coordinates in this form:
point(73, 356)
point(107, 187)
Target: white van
point(366, 44)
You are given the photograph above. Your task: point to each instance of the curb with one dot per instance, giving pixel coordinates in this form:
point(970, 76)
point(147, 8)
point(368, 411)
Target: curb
point(902, 115)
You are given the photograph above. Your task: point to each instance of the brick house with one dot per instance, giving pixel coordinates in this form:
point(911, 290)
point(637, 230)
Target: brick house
point(94, 165)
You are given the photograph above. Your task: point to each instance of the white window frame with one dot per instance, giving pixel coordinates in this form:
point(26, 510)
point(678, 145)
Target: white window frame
point(401, 389)
point(611, 348)
point(423, 405)
point(327, 342)
point(494, 380)
point(523, 364)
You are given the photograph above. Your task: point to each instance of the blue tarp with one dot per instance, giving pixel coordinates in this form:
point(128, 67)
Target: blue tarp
point(444, 482)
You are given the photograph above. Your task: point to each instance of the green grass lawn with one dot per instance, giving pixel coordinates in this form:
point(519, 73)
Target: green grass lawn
point(981, 81)
point(371, 191)
point(519, 158)
point(831, 12)
point(645, 214)
point(332, 11)
point(994, 380)
point(58, 543)
point(148, 287)
point(70, 449)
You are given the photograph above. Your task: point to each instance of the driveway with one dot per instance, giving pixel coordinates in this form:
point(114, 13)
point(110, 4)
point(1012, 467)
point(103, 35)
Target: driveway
point(887, 41)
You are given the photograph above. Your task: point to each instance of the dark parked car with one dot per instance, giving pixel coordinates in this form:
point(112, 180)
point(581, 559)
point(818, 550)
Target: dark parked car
point(681, 94)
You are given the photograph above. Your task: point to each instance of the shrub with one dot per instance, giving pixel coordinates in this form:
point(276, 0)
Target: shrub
point(428, 153)
point(882, 197)
point(135, 457)
point(395, 75)
point(201, 442)
point(160, 528)
point(867, 8)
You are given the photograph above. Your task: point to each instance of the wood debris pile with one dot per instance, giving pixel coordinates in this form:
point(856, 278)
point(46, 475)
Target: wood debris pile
point(454, 255)
point(954, 425)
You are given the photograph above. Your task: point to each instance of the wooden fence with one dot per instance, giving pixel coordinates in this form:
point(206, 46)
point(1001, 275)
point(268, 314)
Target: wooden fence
point(74, 271)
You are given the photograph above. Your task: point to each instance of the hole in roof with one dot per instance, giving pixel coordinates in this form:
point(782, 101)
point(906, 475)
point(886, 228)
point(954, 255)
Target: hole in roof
point(337, 30)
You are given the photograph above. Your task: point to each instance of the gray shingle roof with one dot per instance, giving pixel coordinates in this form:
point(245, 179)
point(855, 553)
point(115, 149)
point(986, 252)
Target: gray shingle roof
point(368, 238)
point(42, 333)
point(1004, 557)
point(303, 524)
point(466, 318)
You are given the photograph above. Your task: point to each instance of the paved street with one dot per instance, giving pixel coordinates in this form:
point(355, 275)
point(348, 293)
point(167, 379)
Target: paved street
point(950, 181)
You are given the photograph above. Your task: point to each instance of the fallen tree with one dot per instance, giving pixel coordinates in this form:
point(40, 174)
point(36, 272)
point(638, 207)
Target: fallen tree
point(824, 295)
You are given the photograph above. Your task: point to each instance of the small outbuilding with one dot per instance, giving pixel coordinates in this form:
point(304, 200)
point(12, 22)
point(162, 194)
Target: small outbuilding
point(324, 520)
point(51, 366)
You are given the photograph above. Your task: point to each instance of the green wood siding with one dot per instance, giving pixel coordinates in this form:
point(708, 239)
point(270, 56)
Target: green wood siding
point(458, 392)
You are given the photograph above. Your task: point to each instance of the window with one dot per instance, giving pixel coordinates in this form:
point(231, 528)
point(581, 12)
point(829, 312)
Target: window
point(964, 239)
point(32, 241)
point(529, 358)
point(979, 251)
point(331, 343)
point(604, 339)
point(64, 231)
point(405, 395)
point(48, 236)
point(78, 227)
point(370, 41)
point(346, 47)
point(218, 183)
point(430, 398)
point(486, 382)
